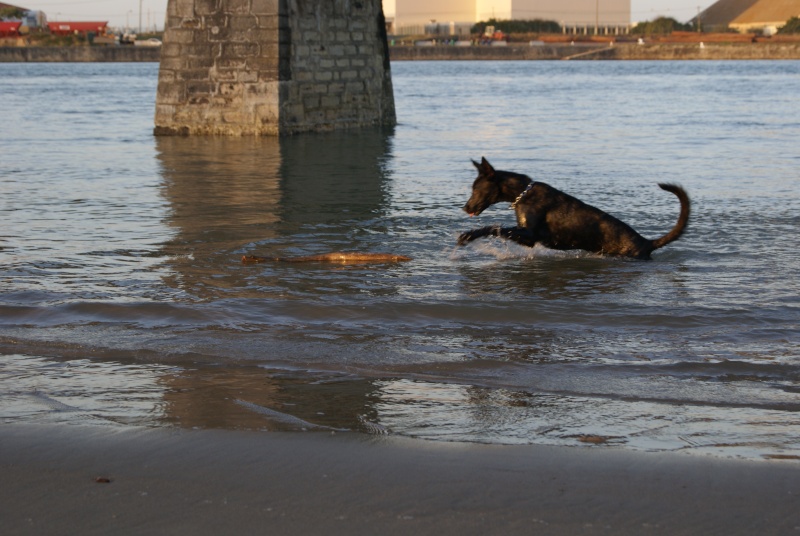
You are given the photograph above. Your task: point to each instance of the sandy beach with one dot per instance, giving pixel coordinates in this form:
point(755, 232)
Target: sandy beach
point(107, 480)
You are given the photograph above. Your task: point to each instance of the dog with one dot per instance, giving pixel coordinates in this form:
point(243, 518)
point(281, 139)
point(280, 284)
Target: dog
point(557, 220)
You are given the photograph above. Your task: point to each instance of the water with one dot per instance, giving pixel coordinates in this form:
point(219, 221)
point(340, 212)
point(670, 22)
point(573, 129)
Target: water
point(123, 301)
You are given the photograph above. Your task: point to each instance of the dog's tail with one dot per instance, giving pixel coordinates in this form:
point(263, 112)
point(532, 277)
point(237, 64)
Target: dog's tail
point(683, 218)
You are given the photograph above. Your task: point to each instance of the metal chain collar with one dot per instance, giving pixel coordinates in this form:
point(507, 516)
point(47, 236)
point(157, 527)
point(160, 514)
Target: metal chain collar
point(520, 196)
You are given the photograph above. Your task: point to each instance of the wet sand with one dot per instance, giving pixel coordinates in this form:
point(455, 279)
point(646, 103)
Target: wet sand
point(168, 481)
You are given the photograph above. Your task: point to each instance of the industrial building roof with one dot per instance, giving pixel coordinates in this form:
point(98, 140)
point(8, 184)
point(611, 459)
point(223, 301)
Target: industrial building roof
point(749, 12)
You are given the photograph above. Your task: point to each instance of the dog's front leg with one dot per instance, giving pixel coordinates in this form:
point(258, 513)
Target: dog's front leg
point(469, 236)
point(521, 235)
point(517, 234)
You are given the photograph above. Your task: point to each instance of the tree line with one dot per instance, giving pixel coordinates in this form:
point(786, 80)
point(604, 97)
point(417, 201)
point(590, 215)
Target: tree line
point(657, 26)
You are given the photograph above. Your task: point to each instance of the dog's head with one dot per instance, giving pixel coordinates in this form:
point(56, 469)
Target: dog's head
point(485, 190)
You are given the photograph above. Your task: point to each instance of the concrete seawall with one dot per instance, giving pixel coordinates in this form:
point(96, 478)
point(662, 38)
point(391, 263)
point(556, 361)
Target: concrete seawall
point(625, 51)
point(79, 54)
point(710, 51)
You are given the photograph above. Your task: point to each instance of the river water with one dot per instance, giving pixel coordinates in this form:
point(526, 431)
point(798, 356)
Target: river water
point(123, 301)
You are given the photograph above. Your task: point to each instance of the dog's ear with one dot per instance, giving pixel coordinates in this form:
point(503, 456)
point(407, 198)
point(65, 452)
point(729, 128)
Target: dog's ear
point(485, 168)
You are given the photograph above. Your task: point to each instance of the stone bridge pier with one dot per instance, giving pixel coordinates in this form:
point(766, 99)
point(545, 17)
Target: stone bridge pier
point(273, 67)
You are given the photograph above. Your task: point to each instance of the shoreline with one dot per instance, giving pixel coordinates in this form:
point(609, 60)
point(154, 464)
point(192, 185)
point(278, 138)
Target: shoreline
point(211, 482)
point(778, 50)
point(619, 51)
point(86, 54)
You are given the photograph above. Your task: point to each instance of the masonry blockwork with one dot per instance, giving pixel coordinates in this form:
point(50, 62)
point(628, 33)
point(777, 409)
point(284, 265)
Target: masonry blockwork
point(273, 67)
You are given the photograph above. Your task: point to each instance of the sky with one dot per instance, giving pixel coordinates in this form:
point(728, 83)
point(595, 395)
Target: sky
point(125, 13)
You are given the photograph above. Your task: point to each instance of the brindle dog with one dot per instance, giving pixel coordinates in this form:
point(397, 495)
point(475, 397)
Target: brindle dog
point(556, 220)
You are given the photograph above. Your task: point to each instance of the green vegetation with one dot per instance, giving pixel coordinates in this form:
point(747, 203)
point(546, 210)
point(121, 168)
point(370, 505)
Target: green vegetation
point(661, 26)
point(792, 26)
point(11, 13)
point(518, 26)
point(48, 40)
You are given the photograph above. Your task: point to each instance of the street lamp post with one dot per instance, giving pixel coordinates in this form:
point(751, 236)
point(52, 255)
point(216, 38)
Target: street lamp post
point(699, 28)
point(597, 17)
point(140, 16)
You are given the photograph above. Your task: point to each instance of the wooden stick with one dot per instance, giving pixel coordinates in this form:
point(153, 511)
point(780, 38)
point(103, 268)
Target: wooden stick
point(343, 257)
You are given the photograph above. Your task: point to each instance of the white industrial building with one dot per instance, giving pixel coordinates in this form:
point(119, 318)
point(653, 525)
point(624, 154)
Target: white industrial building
point(575, 16)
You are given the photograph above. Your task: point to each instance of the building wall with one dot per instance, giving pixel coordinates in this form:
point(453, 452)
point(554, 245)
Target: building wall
point(585, 13)
point(421, 12)
point(572, 12)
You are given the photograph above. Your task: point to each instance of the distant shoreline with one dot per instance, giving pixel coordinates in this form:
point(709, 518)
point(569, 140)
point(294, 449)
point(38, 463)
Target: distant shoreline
point(553, 51)
point(596, 51)
point(84, 54)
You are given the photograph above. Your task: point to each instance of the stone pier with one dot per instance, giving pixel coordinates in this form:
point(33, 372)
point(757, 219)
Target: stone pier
point(273, 67)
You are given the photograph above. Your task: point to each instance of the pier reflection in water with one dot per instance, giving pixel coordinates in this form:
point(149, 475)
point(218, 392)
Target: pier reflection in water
point(110, 393)
point(223, 193)
point(235, 196)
